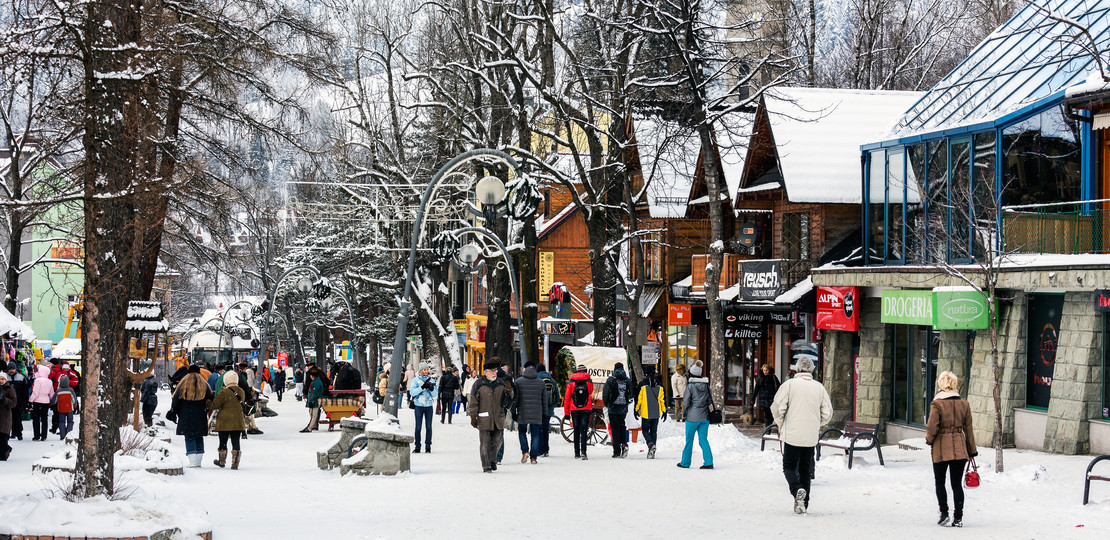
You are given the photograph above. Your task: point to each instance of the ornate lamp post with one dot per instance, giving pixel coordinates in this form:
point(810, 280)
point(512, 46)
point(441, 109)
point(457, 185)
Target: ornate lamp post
point(231, 335)
point(490, 191)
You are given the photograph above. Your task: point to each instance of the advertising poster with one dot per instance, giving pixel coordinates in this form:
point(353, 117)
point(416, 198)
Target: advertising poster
point(1042, 342)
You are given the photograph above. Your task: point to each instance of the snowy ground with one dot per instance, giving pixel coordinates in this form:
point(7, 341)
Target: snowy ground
point(279, 492)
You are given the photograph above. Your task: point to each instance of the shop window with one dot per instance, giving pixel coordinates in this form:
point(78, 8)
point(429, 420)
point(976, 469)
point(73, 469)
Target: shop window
point(682, 345)
point(876, 196)
point(1042, 160)
point(653, 256)
point(984, 205)
point(914, 357)
point(936, 219)
point(796, 236)
point(895, 194)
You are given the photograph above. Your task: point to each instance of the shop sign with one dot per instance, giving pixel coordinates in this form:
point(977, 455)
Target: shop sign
point(678, 314)
point(760, 280)
point(959, 308)
point(460, 325)
point(649, 354)
point(545, 273)
point(558, 327)
point(907, 306)
point(744, 332)
point(1102, 300)
point(838, 308)
point(283, 359)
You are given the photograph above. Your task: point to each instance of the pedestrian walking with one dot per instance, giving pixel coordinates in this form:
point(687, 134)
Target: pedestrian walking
point(651, 407)
point(467, 388)
point(298, 381)
point(950, 434)
point(551, 389)
point(19, 382)
point(765, 387)
point(529, 407)
point(279, 382)
point(578, 407)
point(312, 399)
point(189, 408)
point(486, 409)
point(678, 387)
point(42, 392)
point(230, 421)
point(696, 400)
point(618, 393)
point(64, 402)
point(8, 402)
point(801, 406)
point(448, 388)
point(148, 397)
point(423, 392)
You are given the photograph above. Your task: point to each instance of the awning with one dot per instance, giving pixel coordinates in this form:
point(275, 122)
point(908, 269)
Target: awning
point(800, 297)
point(649, 298)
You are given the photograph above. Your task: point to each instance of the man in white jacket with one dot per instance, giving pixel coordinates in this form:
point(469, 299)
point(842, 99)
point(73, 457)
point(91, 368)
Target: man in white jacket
point(801, 407)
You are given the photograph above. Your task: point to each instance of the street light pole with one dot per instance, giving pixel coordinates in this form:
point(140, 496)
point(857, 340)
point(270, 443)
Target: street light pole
point(230, 336)
point(389, 407)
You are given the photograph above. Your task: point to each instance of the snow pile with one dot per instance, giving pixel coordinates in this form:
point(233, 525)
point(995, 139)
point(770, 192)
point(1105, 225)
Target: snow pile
point(100, 517)
point(385, 423)
point(143, 452)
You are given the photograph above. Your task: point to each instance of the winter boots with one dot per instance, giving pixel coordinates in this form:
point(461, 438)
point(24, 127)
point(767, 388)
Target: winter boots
point(235, 454)
point(524, 458)
point(958, 519)
point(651, 452)
point(943, 521)
point(222, 460)
point(800, 501)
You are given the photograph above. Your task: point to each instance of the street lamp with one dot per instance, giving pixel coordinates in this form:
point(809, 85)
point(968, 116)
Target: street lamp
point(243, 316)
point(489, 191)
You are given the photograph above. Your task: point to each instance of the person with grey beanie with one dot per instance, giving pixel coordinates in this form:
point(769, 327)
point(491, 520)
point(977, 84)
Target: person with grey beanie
point(424, 391)
point(800, 408)
point(696, 401)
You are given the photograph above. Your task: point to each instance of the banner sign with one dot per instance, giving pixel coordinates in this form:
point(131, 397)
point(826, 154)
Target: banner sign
point(1042, 342)
point(744, 332)
point(599, 362)
point(760, 280)
point(558, 327)
point(838, 308)
point(545, 273)
point(959, 308)
point(907, 306)
point(734, 316)
point(283, 359)
point(649, 354)
point(678, 314)
point(1102, 300)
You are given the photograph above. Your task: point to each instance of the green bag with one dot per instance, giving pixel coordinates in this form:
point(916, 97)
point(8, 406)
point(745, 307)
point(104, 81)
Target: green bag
point(26, 415)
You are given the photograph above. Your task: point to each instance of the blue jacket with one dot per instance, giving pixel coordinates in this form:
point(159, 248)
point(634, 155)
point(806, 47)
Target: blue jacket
point(420, 396)
point(552, 401)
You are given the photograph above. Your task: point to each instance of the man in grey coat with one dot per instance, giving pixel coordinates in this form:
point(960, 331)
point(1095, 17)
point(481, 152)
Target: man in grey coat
point(528, 410)
point(801, 407)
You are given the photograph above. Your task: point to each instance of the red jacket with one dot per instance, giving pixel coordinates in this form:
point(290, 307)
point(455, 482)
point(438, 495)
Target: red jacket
point(56, 373)
point(568, 400)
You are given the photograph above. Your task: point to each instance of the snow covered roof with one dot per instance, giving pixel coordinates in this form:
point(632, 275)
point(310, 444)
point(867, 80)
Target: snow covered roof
point(818, 133)
point(10, 325)
point(145, 317)
point(734, 133)
point(669, 159)
point(67, 349)
point(1029, 58)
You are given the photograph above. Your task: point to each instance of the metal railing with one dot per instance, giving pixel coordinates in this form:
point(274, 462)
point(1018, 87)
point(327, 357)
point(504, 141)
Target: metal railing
point(1066, 228)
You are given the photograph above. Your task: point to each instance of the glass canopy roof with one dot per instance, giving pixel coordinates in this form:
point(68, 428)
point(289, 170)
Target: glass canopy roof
point(1029, 58)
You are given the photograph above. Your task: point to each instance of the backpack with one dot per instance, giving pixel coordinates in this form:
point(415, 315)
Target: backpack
point(581, 396)
point(552, 392)
point(622, 392)
point(65, 402)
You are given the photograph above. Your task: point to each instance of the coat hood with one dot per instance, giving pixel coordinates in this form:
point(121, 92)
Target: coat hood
point(42, 372)
point(620, 373)
point(529, 372)
point(580, 376)
point(699, 379)
point(63, 382)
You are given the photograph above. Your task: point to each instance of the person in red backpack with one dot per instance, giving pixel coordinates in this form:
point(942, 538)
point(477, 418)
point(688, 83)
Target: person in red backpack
point(74, 378)
point(578, 404)
point(65, 402)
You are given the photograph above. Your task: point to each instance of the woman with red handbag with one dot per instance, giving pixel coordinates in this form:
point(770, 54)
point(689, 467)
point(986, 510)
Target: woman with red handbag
point(952, 437)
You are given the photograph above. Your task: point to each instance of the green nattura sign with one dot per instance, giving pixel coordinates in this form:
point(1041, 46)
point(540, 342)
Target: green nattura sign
point(958, 308)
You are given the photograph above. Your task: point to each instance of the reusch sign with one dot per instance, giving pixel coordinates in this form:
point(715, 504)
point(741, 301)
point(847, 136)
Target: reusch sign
point(760, 280)
point(959, 308)
point(838, 308)
point(1102, 300)
point(907, 307)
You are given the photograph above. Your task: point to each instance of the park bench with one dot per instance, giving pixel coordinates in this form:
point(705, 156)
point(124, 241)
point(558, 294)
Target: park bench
point(855, 437)
point(1089, 477)
point(340, 404)
point(770, 433)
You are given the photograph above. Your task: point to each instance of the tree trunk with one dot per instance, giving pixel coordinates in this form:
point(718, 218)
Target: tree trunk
point(996, 393)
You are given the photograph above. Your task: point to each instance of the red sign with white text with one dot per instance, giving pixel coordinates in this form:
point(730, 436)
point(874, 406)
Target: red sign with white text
point(679, 314)
point(838, 308)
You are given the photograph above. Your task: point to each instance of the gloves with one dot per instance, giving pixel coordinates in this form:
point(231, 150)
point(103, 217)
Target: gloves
point(566, 417)
point(428, 384)
point(474, 421)
point(663, 417)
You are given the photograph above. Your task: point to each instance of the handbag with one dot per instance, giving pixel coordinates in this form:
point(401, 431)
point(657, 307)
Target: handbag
point(971, 477)
point(715, 415)
point(378, 398)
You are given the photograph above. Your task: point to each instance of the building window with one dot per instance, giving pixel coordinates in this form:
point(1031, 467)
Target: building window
point(682, 343)
point(796, 236)
point(876, 198)
point(984, 209)
point(959, 196)
point(916, 211)
point(914, 358)
point(936, 219)
point(1042, 162)
point(653, 256)
point(895, 209)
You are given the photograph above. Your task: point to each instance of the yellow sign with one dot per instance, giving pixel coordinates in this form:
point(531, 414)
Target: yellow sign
point(545, 275)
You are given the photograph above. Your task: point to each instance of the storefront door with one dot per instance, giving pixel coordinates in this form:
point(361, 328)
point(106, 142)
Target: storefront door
point(914, 359)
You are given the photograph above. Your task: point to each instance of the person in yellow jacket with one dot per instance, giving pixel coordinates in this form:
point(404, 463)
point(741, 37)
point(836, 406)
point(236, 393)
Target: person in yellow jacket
point(651, 406)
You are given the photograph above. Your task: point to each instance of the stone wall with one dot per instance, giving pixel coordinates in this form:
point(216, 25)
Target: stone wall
point(1076, 378)
point(873, 402)
point(838, 374)
point(1011, 359)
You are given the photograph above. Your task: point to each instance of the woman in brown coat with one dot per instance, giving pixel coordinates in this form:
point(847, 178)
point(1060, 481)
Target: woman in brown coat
point(950, 434)
point(230, 422)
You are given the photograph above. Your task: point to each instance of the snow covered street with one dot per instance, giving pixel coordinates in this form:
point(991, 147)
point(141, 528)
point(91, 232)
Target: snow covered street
point(279, 492)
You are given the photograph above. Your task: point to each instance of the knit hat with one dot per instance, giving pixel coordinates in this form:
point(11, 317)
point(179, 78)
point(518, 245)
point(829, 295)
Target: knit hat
point(195, 368)
point(581, 367)
point(12, 366)
point(424, 365)
point(494, 364)
point(695, 370)
point(617, 366)
point(805, 364)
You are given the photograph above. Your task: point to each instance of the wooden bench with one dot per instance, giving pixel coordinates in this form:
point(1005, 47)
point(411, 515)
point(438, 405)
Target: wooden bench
point(340, 404)
point(855, 436)
point(1089, 477)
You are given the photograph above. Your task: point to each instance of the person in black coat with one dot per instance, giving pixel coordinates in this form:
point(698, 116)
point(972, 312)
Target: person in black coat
point(347, 378)
point(448, 386)
point(148, 397)
point(279, 381)
point(190, 409)
point(766, 385)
